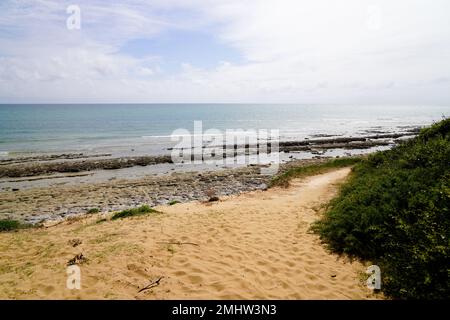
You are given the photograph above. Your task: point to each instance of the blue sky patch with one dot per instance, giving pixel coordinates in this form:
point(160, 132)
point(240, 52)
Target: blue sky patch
point(179, 46)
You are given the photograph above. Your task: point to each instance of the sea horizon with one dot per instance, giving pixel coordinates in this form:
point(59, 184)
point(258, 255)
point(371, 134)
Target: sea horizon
point(130, 129)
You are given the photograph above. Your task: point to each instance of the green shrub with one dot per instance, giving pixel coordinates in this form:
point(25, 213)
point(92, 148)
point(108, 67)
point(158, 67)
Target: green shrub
point(10, 225)
point(93, 210)
point(133, 212)
point(394, 211)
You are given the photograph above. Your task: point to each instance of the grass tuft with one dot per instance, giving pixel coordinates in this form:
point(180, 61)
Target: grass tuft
point(145, 209)
point(283, 179)
point(101, 220)
point(11, 225)
point(93, 210)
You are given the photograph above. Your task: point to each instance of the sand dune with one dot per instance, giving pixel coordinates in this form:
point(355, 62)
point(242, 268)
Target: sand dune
point(252, 246)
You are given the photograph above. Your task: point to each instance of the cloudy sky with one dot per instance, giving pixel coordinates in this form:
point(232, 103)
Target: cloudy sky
point(321, 51)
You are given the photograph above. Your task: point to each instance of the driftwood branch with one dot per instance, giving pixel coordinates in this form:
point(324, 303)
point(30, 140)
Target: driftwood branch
point(152, 285)
point(178, 243)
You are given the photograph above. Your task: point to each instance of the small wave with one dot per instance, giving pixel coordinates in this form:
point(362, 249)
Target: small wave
point(236, 132)
point(4, 153)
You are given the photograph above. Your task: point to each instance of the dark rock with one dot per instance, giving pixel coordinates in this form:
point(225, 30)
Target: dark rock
point(78, 259)
point(74, 242)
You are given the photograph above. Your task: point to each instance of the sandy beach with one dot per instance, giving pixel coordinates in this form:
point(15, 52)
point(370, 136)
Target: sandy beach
point(256, 245)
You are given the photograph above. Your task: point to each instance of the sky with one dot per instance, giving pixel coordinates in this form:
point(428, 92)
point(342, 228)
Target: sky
point(253, 51)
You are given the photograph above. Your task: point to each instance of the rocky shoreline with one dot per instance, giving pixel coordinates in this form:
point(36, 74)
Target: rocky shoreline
point(38, 168)
point(41, 204)
point(75, 163)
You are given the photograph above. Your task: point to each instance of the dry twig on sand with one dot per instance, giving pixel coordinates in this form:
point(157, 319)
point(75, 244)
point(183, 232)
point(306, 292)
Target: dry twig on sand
point(151, 285)
point(178, 243)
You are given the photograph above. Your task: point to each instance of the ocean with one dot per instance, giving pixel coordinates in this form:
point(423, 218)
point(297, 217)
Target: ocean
point(122, 129)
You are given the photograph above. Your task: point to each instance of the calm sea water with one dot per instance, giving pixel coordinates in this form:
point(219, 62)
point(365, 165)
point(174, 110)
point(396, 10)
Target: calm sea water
point(138, 128)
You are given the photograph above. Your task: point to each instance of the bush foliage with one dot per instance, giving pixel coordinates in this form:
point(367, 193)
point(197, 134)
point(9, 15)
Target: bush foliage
point(11, 225)
point(133, 212)
point(394, 211)
point(8, 225)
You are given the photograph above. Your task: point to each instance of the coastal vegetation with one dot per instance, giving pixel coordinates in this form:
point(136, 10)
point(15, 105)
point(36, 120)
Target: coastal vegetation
point(10, 225)
point(142, 210)
point(312, 169)
point(395, 212)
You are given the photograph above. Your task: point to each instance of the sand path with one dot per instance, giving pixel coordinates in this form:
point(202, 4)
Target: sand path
point(252, 246)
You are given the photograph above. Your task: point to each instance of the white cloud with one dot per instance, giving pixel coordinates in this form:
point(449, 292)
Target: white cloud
point(322, 51)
